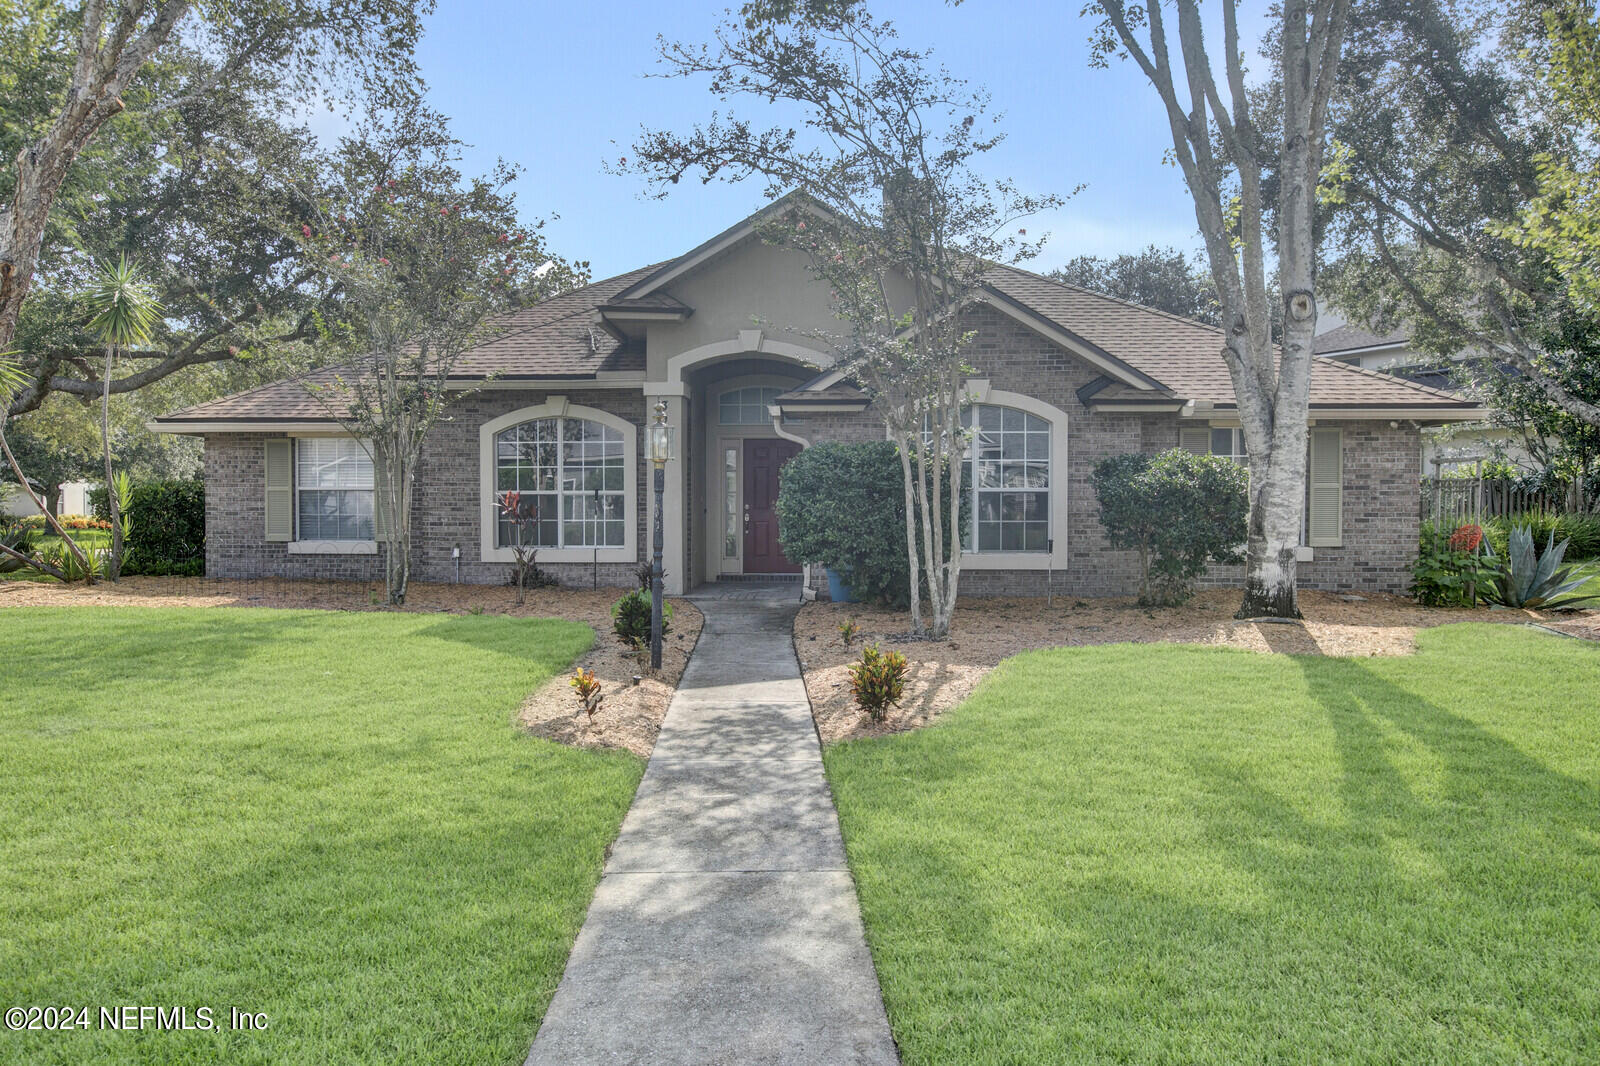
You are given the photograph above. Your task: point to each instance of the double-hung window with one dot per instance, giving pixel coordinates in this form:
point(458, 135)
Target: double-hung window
point(333, 490)
point(1215, 440)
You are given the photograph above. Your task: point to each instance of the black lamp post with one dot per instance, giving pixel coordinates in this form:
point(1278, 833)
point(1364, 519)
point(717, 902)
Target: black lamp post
point(661, 452)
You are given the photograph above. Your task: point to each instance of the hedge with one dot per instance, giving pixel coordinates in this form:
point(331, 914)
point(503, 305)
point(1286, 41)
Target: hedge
point(167, 528)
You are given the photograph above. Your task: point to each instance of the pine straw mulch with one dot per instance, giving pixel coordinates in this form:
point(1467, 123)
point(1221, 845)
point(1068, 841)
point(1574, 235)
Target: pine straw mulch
point(943, 673)
point(629, 716)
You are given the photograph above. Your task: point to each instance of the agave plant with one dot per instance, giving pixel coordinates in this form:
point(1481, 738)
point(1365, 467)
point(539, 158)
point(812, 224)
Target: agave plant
point(1534, 581)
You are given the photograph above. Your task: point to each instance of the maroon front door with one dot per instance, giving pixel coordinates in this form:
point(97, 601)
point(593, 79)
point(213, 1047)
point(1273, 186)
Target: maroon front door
point(762, 461)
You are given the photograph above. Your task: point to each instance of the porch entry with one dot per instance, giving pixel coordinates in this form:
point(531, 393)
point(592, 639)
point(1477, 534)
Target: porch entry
point(763, 458)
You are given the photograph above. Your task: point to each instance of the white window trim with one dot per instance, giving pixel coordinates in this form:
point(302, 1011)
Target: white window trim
point(323, 547)
point(332, 547)
point(1056, 558)
point(488, 508)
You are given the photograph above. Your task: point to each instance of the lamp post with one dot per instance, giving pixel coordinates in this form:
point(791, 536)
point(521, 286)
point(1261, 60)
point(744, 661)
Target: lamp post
point(661, 452)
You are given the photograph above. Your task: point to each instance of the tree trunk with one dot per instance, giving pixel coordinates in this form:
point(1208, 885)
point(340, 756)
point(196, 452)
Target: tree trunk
point(1270, 556)
point(52, 500)
point(397, 496)
point(913, 560)
point(114, 561)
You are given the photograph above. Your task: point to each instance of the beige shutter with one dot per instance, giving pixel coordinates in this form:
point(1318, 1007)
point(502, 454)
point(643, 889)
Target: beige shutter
point(1195, 439)
point(380, 498)
point(1325, 498)
point(280, 490)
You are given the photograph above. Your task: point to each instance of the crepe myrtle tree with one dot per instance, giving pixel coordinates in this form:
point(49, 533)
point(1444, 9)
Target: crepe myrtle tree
point(1232, 164)
point(878, 190)
point(425, 260)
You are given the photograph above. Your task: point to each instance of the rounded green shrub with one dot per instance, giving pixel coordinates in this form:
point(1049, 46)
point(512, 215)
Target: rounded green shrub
point(843, 506)
point(630, 618)
point(1177, 510)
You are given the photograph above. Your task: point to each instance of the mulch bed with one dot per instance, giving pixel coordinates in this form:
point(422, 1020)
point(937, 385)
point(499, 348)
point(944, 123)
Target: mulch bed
point(943, 673)
point(629, 716)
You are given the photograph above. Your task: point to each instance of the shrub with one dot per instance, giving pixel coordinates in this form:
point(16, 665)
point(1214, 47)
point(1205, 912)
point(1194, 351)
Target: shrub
point(166, 528)
point(1581, 531)
point(18, 538)
point(844, 506)
point(58, 556)
point(630, 618)
point(1177, 510)
point(1452, 567)
point(848, 630)
point(72, 523)
point(878, 680)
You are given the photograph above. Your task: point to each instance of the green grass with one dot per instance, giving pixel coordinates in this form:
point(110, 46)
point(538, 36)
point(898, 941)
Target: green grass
point(326, 817)
point(1166, 854)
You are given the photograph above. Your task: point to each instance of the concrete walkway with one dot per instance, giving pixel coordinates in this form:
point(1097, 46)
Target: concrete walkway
point(725, 929)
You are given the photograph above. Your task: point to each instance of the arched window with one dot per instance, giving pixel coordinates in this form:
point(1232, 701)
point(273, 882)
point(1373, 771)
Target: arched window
point(747, 406)
point(1009, 478)
point(568, 474)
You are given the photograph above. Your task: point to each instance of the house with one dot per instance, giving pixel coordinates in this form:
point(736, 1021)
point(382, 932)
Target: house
point(1450, 447)
point(557, 402)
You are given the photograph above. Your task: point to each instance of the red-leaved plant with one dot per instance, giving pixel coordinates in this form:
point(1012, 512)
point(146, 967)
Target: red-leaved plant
point(587, 688)
point(1466, 538)
point(878, 680)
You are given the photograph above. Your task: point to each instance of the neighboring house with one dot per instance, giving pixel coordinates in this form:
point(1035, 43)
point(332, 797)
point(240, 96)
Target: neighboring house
point(1444, 448)
point(556, 403)
point(74, 499)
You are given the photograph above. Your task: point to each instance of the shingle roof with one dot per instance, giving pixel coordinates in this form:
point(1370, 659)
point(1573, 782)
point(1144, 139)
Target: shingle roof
point(1156, 354)
point(1352, 337)
point(1185, 355)
point(554, 338)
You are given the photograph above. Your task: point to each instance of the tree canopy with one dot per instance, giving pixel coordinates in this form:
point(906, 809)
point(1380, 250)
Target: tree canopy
point(190, 175)
point(1163, 278)
point(1460, 193)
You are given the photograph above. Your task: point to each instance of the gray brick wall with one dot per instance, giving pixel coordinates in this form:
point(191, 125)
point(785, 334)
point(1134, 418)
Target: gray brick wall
point(445, 514)
point(1380, 479)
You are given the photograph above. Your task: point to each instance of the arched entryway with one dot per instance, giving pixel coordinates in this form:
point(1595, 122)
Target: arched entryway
point(744, 453)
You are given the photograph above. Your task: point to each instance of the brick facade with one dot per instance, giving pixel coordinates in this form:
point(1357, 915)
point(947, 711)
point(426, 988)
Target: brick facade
point(445, 515)
point(1381, 467)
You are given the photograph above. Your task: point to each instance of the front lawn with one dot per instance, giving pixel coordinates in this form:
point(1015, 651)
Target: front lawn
point(1173, 854)
point(324, 817)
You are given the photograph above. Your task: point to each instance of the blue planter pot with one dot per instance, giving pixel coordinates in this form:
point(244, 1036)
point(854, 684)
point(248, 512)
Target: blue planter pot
point(837, 592)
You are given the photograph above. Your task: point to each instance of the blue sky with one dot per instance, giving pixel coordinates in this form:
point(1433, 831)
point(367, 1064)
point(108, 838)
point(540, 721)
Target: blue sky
point(560, 88)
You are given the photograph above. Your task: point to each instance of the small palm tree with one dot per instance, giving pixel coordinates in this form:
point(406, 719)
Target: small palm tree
point(125, 311)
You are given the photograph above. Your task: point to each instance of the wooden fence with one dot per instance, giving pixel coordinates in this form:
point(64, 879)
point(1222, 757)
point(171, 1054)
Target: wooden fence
point(1464, 499)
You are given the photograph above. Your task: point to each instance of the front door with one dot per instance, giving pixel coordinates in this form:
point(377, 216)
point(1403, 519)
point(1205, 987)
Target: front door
point(762, 461)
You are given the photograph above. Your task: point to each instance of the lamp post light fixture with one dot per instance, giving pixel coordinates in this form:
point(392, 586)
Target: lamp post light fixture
point(663, 441)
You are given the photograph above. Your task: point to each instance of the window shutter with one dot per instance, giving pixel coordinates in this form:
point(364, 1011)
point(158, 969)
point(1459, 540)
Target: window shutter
point(1195, 439)
point(380, 497)
point(1325, 498)
point(280, 490)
